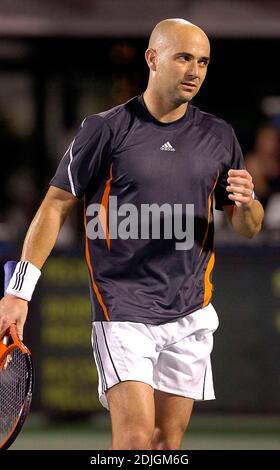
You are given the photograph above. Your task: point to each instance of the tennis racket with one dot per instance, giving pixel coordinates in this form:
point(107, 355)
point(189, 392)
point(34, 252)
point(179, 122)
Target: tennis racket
point(16, 379)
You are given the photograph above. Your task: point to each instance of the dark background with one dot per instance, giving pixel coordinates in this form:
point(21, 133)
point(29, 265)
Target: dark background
point(241, 74)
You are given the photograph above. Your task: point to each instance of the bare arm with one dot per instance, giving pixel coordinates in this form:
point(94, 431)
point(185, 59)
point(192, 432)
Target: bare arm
point(39, 242)
point(247, 214)
point(45, 227)
point(246, 221)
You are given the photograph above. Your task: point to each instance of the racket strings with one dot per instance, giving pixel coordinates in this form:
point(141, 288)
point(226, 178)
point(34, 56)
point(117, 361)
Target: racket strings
point(13, 375)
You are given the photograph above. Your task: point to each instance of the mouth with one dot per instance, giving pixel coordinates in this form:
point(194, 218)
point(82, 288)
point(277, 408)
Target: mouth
point(189, 85)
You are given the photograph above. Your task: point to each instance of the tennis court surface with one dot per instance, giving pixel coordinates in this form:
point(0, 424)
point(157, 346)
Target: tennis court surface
point(205, 433)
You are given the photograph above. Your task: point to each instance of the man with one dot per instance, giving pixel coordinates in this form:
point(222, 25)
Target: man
point(153, 320)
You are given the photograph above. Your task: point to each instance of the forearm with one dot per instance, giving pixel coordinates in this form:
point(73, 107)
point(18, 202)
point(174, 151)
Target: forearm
point(41, 236)
point(39, 242)
point(44, 229)
point(247, 220)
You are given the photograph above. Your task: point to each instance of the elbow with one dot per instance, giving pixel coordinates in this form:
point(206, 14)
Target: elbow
point(258, 229)
point(254, 232)
point(248, 232)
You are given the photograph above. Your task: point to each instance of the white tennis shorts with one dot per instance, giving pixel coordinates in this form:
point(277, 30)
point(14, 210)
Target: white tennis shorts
point(173, 357)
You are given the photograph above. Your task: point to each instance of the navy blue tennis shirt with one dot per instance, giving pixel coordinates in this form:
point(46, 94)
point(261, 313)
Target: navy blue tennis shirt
point(125, 152)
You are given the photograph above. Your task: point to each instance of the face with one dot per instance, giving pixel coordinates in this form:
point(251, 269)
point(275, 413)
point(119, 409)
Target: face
point(181, 65)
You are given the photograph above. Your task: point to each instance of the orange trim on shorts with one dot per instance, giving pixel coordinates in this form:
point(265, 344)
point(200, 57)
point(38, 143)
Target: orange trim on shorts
point(103, 215)
point(95, 288)
point(208, 286)
point(209, 213)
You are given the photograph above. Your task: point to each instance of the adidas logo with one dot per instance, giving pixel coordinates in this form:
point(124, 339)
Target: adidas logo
point(167, 147)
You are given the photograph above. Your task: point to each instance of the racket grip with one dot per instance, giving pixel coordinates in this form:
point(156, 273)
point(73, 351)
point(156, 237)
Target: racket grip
point(9, 268)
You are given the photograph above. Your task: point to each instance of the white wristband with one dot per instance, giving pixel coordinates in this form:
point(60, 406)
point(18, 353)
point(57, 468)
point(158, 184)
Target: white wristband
point(24, 280)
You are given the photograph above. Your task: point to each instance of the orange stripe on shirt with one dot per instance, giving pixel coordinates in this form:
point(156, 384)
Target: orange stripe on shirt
point(103, 216)
point(209, 213)
point(95, 288)
point(208, 286)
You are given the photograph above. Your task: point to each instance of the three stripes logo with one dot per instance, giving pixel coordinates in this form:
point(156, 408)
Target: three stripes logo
point(167, 147)
point(20, 275)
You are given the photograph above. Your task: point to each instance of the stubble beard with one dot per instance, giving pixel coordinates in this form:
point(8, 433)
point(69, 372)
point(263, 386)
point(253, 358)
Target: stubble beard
point(180, 99)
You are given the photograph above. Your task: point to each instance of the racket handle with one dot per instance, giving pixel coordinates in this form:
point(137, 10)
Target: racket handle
point(9, 268)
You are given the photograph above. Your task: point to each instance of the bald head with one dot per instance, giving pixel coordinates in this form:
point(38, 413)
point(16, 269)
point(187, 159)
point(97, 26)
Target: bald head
point(172, 30)
point(177, 56)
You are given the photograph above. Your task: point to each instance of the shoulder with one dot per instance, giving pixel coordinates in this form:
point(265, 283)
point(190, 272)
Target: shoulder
point(92, 125)
point(119, 115)
point(215, 125)
point(114, 121)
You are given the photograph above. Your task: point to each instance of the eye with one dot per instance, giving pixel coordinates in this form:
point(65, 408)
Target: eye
point(184, 57)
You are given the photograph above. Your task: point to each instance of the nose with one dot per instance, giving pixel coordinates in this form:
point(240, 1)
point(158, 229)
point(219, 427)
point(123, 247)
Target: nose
point(192, 69)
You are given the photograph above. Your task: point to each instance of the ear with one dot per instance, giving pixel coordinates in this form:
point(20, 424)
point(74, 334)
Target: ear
point(151, 59)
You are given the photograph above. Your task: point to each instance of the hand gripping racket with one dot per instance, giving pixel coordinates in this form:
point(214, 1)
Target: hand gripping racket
point(16, 379)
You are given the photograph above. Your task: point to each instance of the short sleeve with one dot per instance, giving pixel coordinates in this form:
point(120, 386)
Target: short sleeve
point(234, 161)
point(82, 162)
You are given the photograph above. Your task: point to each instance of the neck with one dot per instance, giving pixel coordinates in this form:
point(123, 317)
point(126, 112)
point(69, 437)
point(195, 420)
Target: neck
point(161, 108)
